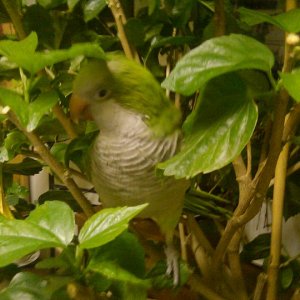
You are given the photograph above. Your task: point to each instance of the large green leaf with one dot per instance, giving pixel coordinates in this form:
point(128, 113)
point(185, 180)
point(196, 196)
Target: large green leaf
point(112, 271)
point(12, 144)
point(24, 55)
point(25, 286)
point(215, 57)
point(56, 217)
point(39, 107)
point(29, 114)
point(217, 131)
point(15, 102)
point(92, 8)
point(125, 250)
point(50, 225)
point(30, 286)
point(291, 81)
point(106, 225)
point(287, 21)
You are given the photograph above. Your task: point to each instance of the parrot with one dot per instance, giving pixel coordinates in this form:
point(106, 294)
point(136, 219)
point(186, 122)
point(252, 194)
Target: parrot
point(139, 127)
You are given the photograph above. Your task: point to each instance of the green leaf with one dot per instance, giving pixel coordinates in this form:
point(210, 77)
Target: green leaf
point(215, 57)
point(257, 248)
point(39, 107)
point(16, 103)
point(159, 279)
point(50, 225)
point(51, 3)
point(14, 192)
point(26, 286)
point(171, 41)
point(92, 8)
point(126, 251)
point(62, 195)
point(287, 21)
point(217, 131)
point(19, 238)
point(30, 286)
point(134, 29)
point(24, 55)
point(106, 225)
point(34, 16)
point(286, 275)
point(65, 260)
point(12, 144)
point(28, 166)
point(291, 81)
point(57, 217)
point(72, 4)
point(111, 270)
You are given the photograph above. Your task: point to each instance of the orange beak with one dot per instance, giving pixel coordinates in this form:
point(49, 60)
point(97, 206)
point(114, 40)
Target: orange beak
point(79, 109)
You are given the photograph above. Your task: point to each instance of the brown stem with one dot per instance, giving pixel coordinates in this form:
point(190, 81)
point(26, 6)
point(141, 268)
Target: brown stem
point(64, 121)
point(235, 266)
point(57, 168)
point(277, 213)
point(120, 19)
point(255, 192)
point(219, 18)
point(201, 288)
point(260, 284)
point(15, 17)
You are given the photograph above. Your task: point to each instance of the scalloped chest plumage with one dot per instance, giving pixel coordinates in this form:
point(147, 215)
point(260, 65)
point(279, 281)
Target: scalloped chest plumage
point(123, 163)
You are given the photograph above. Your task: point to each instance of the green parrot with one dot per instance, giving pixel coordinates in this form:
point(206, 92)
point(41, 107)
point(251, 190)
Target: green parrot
point(139, 128)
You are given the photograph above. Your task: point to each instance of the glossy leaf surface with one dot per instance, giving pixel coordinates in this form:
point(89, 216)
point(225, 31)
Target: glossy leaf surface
point(291, 81)
point(24, 55)
point(287, 21)
point(215, 57)
point(107, 224)
point(217, 131)
point(49, 225)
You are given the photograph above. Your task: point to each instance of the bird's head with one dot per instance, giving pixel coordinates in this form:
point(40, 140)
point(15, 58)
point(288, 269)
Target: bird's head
point(128, 84)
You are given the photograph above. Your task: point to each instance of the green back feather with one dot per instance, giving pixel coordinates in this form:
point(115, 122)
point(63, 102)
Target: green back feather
point(134, 87)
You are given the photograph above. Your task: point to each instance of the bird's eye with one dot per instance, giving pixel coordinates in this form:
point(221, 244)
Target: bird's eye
point(103, 93)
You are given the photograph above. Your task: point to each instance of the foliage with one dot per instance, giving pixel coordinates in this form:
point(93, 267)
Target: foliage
point(240, 104)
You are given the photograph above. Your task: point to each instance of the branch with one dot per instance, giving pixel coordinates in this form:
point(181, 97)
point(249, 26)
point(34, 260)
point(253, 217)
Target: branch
point(201, 288)
point(15, 17)
point(57, 168)
point(120, 19)
point(219, 18)
point(260, 284)
point(235, 265)
point(277, 213)
point(64, 121)
point(256, 191)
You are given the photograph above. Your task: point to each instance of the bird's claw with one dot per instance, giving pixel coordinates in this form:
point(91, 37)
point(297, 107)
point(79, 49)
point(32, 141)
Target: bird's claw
point(172, 263)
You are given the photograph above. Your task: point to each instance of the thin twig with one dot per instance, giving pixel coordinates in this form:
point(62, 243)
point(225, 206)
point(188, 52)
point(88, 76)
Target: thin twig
point(277, 213)
point(120, 19)
point(64, 121)
point(182, 241)
point(249, 159)
point(260, 284)
point(57, 168)
point(235, 266)
point(219, 18)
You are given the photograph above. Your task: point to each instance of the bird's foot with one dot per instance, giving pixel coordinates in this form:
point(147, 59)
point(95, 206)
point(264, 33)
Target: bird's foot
point(172, 263)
